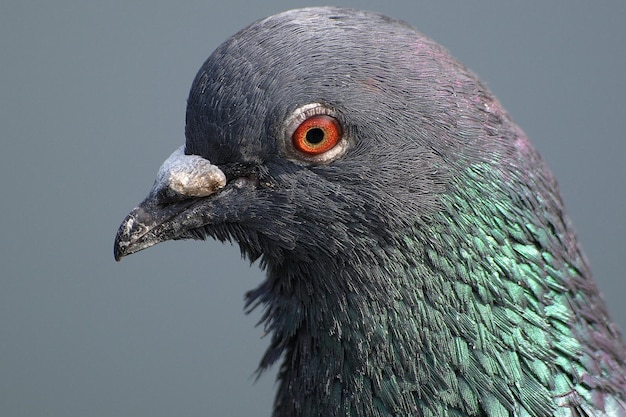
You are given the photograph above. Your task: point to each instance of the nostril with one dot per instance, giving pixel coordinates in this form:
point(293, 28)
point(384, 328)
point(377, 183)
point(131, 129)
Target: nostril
point(166, 196)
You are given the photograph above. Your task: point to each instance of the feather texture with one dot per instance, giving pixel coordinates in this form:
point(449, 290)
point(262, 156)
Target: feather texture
point(428, 270)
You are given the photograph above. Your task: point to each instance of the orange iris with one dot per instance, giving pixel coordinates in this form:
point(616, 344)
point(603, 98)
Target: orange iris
point(317, 134)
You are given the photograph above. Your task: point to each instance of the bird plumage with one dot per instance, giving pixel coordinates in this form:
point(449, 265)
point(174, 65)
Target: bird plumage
point(427, 267)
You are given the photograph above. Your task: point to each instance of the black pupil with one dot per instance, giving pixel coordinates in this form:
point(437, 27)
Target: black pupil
point(315, 135)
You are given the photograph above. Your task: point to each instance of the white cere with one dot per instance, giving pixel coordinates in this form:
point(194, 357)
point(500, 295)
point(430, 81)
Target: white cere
point(189, 175)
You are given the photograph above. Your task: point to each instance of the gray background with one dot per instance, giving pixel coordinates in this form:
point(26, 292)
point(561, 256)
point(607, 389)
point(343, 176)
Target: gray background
point(92, 100)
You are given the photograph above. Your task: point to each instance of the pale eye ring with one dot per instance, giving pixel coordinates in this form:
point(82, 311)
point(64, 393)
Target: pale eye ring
point(314, 133)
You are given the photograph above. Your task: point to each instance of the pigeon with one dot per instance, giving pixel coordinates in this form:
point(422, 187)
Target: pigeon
point(419, 259)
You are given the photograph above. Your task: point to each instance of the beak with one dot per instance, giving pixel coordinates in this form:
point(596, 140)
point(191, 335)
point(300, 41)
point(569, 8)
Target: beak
point(176, 204)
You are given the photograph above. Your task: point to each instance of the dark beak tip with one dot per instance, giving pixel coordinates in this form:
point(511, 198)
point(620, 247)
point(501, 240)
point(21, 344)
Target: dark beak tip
point(122, 240)
point(148, 224)
point(117, 250)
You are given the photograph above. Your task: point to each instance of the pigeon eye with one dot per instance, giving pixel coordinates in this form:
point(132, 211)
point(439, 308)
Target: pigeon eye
point(317, 134)
point(313, 134)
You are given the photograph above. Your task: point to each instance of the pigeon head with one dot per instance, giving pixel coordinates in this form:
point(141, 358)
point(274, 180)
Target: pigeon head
point(407, 118)
point(418, 256)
